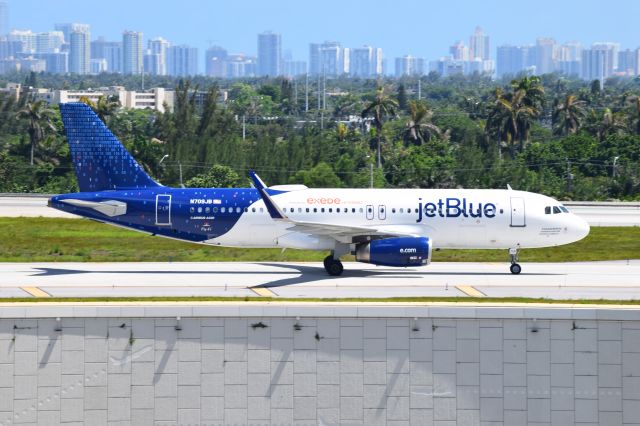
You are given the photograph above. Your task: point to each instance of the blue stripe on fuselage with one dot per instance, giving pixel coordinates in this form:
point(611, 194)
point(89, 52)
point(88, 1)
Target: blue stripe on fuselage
point(193, 217)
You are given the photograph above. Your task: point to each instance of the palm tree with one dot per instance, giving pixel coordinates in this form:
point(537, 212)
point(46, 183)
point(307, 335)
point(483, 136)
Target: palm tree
point(419, 128)
point(39, 117)
point(510, 118)
point(634, 115)
point(106, 107)
point(380, 107)
point(609, 123)
point(568, 115)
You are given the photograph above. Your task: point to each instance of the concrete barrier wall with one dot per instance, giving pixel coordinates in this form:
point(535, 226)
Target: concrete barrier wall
point(413, 366)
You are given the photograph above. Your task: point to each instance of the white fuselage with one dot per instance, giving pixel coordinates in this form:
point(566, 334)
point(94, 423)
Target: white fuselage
point(474, 218)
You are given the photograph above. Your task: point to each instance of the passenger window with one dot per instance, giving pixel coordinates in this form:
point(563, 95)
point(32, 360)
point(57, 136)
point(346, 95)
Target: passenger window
point(223, 209)
point(246, 209)
point(299, 210)
point(361, 211)
point(547, 210)
point(307, 209)
point(353, 210)
point(393, 210)
point(315, 210)
point(330, 210)
point(556, 209)
point(322, 210)
point(401, 210)
point(261, 210)
point(192, 210)
point(253, 209)
point(338, 210)
point(207, 210)
point(238, 209)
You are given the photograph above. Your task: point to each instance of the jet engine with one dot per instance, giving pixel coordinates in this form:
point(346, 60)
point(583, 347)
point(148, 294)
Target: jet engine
point(401, 251)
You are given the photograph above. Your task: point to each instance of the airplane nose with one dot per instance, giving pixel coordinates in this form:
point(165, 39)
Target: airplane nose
point(581, 228)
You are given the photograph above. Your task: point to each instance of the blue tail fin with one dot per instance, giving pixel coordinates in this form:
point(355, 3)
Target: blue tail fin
point(101, 162)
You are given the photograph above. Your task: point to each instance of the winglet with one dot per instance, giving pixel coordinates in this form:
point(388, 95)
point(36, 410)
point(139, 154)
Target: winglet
point(274, 211)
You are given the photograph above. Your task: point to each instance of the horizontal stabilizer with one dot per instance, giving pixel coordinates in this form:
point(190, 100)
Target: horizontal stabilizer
point(109, 208)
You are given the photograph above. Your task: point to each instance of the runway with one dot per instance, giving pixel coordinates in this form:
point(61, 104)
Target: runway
point(618, 280)
point(596, 213)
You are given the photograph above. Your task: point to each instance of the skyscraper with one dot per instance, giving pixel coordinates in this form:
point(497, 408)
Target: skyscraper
point(182, 61)
point(269, 54)
point(215, 58)
point(109, 50)
point(132, 52)
point(511, 60)
point(459, 51)
point(49, 42)
point(365, 61)
point(546, 55)
point(479, 45)
point(80, 50)
point(158, 48)
point(598, 62)
point(68, 28)
point(26, 38)
point(409, 65)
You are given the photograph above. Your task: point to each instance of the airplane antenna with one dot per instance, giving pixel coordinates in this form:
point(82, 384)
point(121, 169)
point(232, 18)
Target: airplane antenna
point(509, 187)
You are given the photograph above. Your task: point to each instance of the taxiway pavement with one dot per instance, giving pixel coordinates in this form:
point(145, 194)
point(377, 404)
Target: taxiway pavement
point(619, 280)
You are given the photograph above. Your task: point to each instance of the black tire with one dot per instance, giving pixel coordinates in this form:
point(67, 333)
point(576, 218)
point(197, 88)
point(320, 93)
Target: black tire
point(335, 268)
point(515, 268)
point(326, 262)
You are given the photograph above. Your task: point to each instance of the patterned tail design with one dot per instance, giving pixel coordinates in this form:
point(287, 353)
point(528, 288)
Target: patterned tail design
point(101, 162)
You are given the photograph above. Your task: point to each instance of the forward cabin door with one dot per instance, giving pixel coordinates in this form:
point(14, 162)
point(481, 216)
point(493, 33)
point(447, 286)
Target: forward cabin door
point(518, 218)
point(163, 210)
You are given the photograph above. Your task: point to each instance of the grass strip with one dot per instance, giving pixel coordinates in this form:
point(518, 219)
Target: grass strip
point(73, 240)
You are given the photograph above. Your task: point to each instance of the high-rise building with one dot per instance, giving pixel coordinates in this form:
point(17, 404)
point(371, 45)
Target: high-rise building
point(215, 58)
point(26, 38)
point(314, 59)
point(80, 50)
point(68, 28)
point(627, 62)
point(510, 60)
point(479, 45)
point(49, 42)
point(293, 68)
point(182, 61)
point(329, 58)
point(546, 55)
point(269, 54)
point(10, 49)
point(598, 62)
point(157, 48)
point(98, 66)
point(240, 65)
point(109, 50)
point(4, 18)
point(365, 61)
point(459, 51)
point(637, 70)
point(55, 62)
point(132, 52)
point(409, 66)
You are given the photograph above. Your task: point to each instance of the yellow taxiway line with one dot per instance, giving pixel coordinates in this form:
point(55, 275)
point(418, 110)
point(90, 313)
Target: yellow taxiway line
point(470, 291)
point(36, 292)
point(263, 291)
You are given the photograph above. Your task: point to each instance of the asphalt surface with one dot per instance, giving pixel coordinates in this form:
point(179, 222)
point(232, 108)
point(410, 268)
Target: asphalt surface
point(618, 280)
point(597, 214)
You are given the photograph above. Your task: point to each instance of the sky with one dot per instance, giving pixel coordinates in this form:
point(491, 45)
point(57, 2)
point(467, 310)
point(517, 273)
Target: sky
point(423, 28)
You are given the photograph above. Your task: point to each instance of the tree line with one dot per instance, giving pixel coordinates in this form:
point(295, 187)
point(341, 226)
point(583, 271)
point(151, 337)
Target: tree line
point(551, 134)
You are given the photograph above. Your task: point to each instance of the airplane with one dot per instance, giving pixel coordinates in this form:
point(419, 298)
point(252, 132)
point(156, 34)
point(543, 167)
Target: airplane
point(388, 227)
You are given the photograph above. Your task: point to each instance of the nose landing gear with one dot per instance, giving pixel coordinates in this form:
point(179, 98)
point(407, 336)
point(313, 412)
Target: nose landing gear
point(515, 268)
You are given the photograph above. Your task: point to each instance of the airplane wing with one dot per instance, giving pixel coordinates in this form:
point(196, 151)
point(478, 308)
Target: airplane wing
point(339, 232)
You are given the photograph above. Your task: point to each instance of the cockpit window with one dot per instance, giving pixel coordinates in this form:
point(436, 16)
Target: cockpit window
point(564, 209)
point(547, 210)
point(556, 210)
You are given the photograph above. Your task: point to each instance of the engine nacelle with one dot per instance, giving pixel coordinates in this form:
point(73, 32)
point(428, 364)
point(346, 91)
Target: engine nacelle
point(401, 251)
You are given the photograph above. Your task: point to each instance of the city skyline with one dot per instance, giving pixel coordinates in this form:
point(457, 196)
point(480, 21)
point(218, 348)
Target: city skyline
point(234, 25)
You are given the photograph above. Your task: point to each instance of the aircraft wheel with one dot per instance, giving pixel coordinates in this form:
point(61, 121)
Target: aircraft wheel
point(515, 269)
point(334, 267)
point(326, 262)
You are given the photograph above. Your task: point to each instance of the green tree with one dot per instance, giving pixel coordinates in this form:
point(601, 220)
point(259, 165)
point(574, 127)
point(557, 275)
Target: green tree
point(568, 115)
point(39, 119)
point(320, 176)
point(419, 128)
point(402, 97)
point(217, 176)
point(380, 107)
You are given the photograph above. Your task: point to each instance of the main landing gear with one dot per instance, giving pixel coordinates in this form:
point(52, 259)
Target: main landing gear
point(332, 262)
point(333, 266)
point(515, 268)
